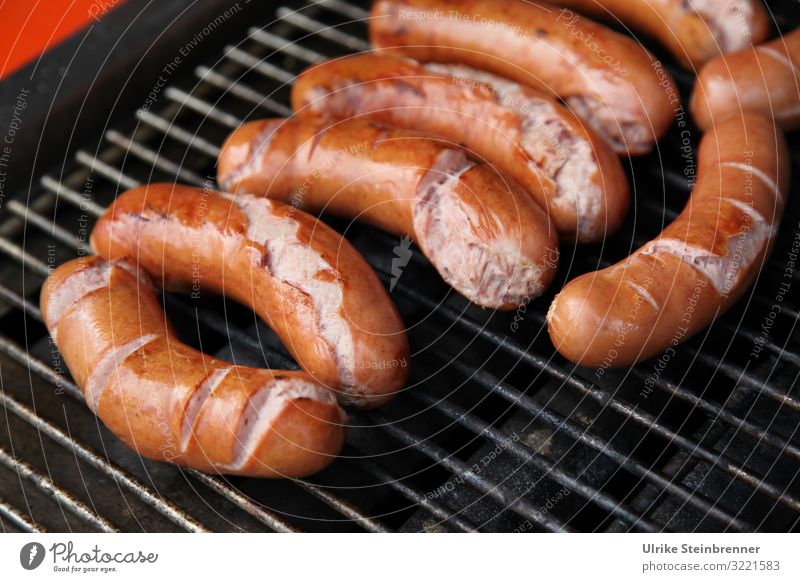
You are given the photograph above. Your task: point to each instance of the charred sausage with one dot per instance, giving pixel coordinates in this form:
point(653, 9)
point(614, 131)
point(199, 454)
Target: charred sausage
point(524, 133)
point(487, 238)
point(678, 283)
point(172, 403)
point(304, 280)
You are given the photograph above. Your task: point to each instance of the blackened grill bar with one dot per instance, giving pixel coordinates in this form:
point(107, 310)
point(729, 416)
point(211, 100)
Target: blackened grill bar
point(633, 503)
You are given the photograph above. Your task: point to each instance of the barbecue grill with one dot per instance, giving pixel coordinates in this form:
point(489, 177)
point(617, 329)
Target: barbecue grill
point(495, 432)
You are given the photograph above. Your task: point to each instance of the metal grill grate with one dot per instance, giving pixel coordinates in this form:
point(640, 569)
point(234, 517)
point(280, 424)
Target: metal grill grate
point(496, 432)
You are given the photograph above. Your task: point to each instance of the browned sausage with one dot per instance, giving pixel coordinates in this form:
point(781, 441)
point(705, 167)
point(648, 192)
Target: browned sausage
point(694, 31)
point(486, 237)
point(303, 279)
point(765, 79)
point(172, 403)
point(681, 281)
point(526, 134)
point(606, 77)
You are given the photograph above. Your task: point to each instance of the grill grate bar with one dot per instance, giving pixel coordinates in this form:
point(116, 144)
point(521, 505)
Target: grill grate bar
point(13, 515)
point(530, 456)
point(178, 133)
point(280, 44)
point(198, 105)
point(231, 494)
point(240, 90)
point(345, 9)
point(346, 508)
point(51, 227)
point(154, 158)
point(63, 498)
point(411, 493)
point(73, 197)
point(502, 494)
point(323, 30)
point(268, 70)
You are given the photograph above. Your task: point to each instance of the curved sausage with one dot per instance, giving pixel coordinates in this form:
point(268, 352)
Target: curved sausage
point(529, 136)
point(681, 281)
point(607, 78)
point(304, 280)
point(486, 237)
point(695, 31)
point(172, 403)
point(765, 79)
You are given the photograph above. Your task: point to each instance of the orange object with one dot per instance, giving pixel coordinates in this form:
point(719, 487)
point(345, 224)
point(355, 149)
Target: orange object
point(27, 29)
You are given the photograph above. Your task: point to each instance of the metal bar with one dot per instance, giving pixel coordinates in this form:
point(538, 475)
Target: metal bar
point(242, 91)
point(343, 507)
point(178, 133)
point(199, 106)
point(154, 158)
point(63, 498)
point(13, 515)
point(345, 9)
point(51, 227)
point(290, 48)
point(234, 496)
point(71, 196)
point(267, 69)
point(411, 493)
point(327, 32)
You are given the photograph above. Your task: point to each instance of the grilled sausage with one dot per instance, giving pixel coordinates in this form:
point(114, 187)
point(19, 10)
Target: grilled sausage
point(486, 237)
point(526, 134)
point(304, 280)
point(695, 31)
point(765, 79)
point(678, 283)
point(606, 77)
point(172, 403)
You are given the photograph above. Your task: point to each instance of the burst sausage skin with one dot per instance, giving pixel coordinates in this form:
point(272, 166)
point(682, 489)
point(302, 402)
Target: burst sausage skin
point(764, 79)
point(607, 78)
point(529, 136)
point(487, 238)
point(694, 32)
point(678, 283)
point(172, 403)
point(301, 277)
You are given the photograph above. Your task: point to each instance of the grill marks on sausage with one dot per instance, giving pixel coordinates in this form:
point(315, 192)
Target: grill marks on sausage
point(295, 263)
